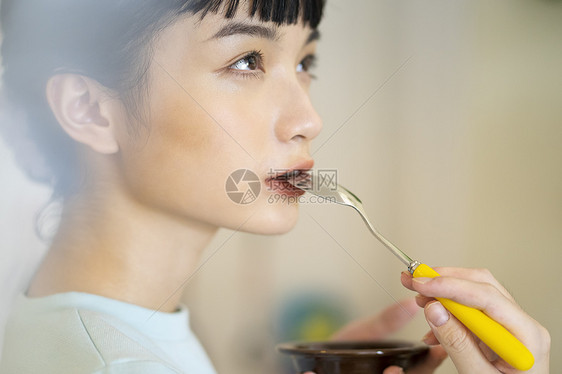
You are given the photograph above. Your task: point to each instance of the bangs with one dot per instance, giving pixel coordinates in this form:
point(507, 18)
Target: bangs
point(278, 11)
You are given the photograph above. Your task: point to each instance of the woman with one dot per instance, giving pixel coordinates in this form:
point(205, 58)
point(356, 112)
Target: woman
point(142, 110)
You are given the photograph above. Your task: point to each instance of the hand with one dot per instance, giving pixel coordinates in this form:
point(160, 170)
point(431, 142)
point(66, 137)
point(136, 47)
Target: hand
point(478, 289)
point(380, 326)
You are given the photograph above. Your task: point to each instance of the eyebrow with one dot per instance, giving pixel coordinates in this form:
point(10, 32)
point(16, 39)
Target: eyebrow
point(270, 33)
point(314, 35)
point(236, 28)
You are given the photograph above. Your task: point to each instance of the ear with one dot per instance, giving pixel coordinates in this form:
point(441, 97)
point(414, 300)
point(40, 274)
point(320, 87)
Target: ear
point(83, 108)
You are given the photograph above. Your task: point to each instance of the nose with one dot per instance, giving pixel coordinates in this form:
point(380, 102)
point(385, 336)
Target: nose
point(298, 120)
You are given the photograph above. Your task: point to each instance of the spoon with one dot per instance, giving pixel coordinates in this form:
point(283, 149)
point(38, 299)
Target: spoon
point(494, 335)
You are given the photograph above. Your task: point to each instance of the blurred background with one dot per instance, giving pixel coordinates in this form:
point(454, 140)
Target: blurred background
point(445, 118)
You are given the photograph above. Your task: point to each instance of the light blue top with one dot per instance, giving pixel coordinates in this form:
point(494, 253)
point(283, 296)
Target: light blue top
point(79, 333)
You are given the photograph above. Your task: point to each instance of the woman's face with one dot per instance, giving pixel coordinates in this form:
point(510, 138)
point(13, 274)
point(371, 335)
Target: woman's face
point(224, 94)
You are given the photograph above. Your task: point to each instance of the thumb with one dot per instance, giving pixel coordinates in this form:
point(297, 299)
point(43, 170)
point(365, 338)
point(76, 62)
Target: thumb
point(457, 340)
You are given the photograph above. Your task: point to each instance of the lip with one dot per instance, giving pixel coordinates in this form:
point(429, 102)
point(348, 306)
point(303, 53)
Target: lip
point(304, 166)
point(283, 187)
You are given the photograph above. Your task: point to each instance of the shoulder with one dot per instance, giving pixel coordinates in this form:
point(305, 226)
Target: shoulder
point(77, 341)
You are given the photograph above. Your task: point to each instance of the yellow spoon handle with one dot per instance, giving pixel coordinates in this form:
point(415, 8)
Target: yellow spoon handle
point(494, 335)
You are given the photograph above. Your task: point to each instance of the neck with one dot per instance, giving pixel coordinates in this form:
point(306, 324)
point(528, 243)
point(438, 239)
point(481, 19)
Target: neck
point(120, 249)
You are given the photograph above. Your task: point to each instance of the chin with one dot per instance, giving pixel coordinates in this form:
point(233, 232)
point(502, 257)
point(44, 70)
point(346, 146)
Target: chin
point(272, 220)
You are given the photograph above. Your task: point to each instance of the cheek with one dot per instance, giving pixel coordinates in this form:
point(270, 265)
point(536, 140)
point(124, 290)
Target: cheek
point(172, 157)
point(193, 144)
point(182, 164)
point(246, 133)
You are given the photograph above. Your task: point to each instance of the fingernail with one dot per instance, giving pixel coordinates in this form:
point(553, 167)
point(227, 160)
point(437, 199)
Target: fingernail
point(404, 277)
point(426, 337)
point(436, 314)
point(422, 280)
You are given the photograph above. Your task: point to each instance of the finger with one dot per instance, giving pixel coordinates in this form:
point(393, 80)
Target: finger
point(482, 296)
point(406, 279)
point(479, 290)
point(423, 300)
point(457, 341)
point(435, 358)
point(385, 323)
point(430, 338)
point(393, 370)
point(490, 355)
point(497, 361)
point(475, 275)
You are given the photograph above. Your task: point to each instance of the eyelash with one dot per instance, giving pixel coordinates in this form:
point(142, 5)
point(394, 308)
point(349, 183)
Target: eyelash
point(258, 56)
point(308, 63)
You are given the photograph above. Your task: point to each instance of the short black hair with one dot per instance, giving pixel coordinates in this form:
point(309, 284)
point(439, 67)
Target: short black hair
point(106, 40)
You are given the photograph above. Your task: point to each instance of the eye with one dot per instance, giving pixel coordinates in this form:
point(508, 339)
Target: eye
point(306, 64)
point(251, 62)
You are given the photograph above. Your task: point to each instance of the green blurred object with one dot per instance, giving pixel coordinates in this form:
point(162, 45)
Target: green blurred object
point(311, 316)
point(308, 316)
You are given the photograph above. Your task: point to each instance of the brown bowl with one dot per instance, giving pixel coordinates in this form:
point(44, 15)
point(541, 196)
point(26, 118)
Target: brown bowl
point(357, 357)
